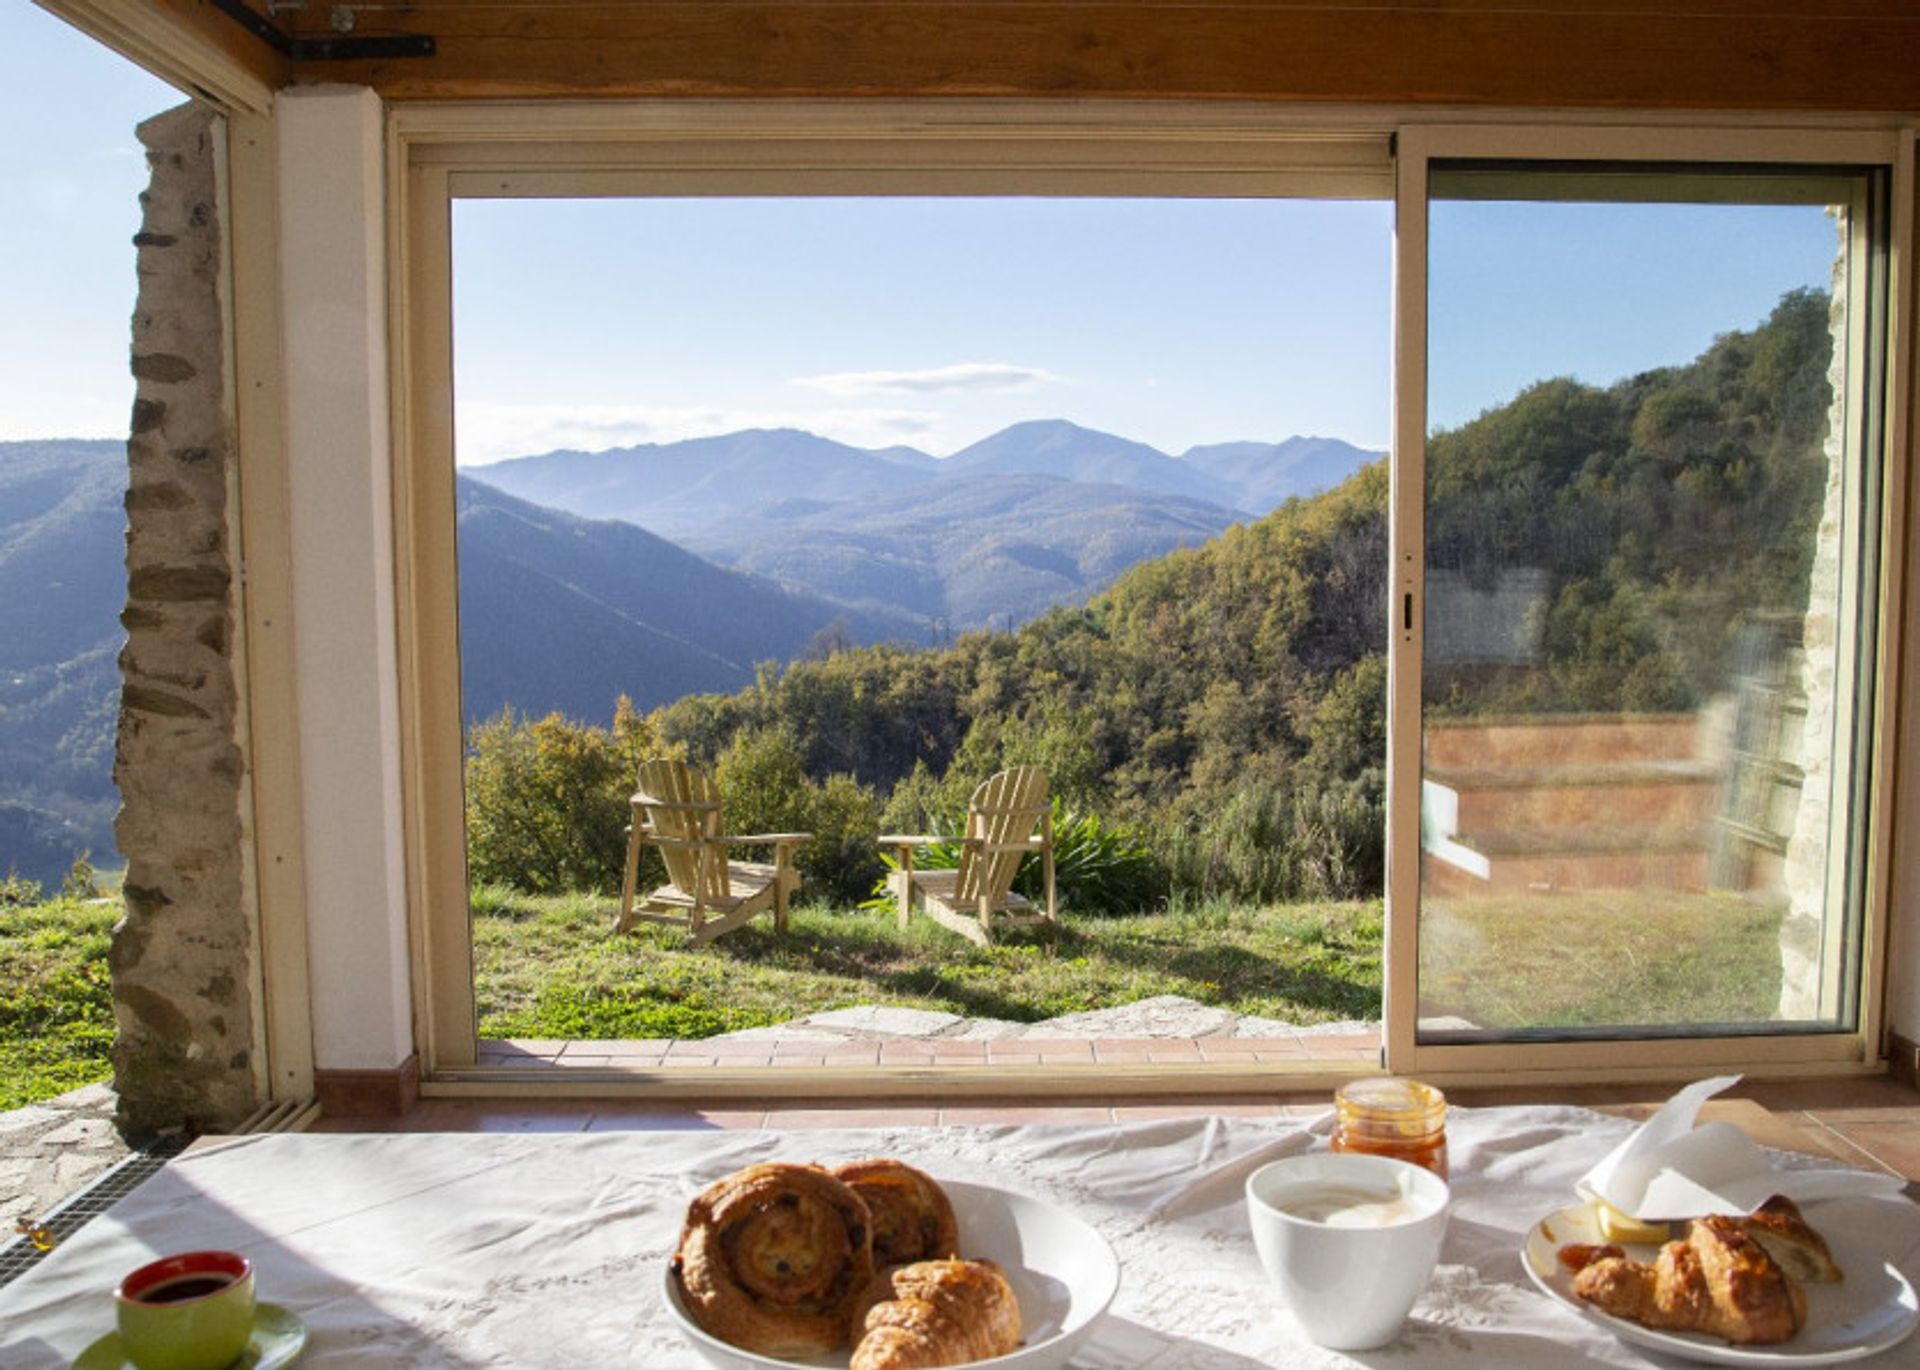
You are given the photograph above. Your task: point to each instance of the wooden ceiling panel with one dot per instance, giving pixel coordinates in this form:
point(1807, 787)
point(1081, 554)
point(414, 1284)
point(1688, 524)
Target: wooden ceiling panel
point(1678, 54)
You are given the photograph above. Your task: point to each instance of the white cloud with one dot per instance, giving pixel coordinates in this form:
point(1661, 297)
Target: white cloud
point(495, 432)
point(964, 377)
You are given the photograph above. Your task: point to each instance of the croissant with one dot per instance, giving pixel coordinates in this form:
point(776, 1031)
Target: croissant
point(1793, 1244)
point(912, 1218)
point(774, 1258)
point(1718, 1280)
point(936, 1313)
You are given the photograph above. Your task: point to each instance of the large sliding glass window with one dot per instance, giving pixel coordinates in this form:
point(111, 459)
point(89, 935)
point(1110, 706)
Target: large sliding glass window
point(1650, 497)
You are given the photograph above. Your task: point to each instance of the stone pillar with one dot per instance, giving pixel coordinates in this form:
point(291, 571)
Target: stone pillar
point(181, 956)
point(1808, 982)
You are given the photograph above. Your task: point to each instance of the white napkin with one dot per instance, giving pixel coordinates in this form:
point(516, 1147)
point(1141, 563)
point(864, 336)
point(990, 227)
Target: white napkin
point(1669, 1169)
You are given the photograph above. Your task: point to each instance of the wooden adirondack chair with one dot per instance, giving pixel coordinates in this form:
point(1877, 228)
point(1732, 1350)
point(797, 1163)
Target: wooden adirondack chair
point(677, 809)
point(1001, 818)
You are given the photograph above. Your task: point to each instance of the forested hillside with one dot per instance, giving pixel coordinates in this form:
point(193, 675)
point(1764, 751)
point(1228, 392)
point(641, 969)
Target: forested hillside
point(1230, 699)
point(62, 585)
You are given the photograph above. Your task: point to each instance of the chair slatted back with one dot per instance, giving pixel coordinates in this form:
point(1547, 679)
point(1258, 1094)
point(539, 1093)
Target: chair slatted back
point(683, 815)
point(1001, 819)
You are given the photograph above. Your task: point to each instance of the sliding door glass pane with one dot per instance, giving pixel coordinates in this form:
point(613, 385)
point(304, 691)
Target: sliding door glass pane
point(1648, 600)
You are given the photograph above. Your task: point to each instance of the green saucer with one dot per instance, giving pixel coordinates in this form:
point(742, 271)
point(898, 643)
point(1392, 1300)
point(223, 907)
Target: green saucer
point(278, 1339)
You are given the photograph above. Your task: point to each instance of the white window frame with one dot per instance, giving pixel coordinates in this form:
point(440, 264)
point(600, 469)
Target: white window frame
point(441, 152)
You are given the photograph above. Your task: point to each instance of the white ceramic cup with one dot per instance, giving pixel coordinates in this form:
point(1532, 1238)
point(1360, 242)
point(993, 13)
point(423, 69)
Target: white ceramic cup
point(1349, 1287)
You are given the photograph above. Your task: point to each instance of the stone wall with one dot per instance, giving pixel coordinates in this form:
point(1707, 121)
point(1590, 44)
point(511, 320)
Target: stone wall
point(180, 958)
point(1810, 981)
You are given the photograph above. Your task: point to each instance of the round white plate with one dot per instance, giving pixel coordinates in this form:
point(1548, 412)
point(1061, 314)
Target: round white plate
point(1063, 1272)
point(1872, 1309)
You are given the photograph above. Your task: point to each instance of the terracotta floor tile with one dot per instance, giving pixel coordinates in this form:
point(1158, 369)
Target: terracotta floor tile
point(1369, 1041)
point(961, 1051)
point(1896, 1146)
point(1013, 1058)
point(1236, 1046)
point(648, 1046)
point(1122, 1055)
point(1061, 1046)
point(532, 1046)
point(720, 1046)
point(1875, 1100)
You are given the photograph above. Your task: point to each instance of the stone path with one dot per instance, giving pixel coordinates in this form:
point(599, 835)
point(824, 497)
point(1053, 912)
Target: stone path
point(52, 1149)
point(1166, 1017)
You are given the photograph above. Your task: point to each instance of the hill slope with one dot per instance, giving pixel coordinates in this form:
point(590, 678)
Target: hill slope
point(560, 612)
point(63, 569)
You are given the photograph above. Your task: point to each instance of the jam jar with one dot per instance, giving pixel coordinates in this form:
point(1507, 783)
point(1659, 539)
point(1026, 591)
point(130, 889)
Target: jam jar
point(1389, 1116)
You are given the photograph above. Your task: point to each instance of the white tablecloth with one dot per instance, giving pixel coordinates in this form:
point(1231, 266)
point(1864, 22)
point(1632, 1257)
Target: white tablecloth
point(546, 1250)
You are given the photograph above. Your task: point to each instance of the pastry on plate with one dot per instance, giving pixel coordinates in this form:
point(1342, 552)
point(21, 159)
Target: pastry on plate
point(1717, 1280)
point(774, 1258)
point(936, 1313)
point(1791, 1241)
point(912, 1217)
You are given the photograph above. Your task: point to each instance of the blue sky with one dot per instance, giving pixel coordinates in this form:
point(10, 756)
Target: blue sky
point(74, 173)
point(929, 322)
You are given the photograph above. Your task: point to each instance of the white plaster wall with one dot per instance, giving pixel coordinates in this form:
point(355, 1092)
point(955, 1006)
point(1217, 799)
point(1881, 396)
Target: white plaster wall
point(333, 310)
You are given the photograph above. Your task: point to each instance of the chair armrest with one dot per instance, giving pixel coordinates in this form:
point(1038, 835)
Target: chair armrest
point(762, 838)
point(897, 839)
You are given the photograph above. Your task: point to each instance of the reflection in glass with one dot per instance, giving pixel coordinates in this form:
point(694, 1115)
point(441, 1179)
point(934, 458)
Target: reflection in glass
point(1645, 490)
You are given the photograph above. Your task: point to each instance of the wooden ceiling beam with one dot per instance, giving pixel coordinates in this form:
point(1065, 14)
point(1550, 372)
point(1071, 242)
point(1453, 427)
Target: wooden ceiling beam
point(1701, 54)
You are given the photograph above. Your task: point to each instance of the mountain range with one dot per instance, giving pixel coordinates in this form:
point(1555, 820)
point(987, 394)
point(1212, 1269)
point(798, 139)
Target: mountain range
point(1041, 513)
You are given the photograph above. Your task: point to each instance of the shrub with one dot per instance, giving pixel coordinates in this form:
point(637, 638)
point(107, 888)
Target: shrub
point(18, 892)
point(547, 801)
point(763, 783)
point(82, 881)
point(1273, 843)
point(843, 859)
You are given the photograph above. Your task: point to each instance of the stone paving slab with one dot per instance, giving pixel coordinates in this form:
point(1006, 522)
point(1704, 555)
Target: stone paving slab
point(50, 1150)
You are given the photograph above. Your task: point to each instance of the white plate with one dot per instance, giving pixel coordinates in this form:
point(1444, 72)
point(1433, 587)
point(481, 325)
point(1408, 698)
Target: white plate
point(1063, 1272)
point(1872, 1309)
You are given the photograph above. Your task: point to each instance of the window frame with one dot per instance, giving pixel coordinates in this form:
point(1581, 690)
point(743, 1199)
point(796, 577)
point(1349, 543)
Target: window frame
point(1799, 1052)
point(440, 152)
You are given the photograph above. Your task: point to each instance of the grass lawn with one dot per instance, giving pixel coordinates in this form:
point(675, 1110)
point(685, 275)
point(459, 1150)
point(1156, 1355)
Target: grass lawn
point(1576, 960)
point(549, 968)
point(56, 1012)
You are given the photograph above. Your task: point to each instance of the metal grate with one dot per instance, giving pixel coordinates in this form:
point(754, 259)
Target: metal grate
point(78, 1210)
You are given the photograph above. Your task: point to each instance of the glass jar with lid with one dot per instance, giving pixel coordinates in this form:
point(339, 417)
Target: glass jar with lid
point(1391, 1116)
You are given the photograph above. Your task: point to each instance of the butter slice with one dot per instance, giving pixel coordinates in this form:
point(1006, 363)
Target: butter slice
point(1618, 1228)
